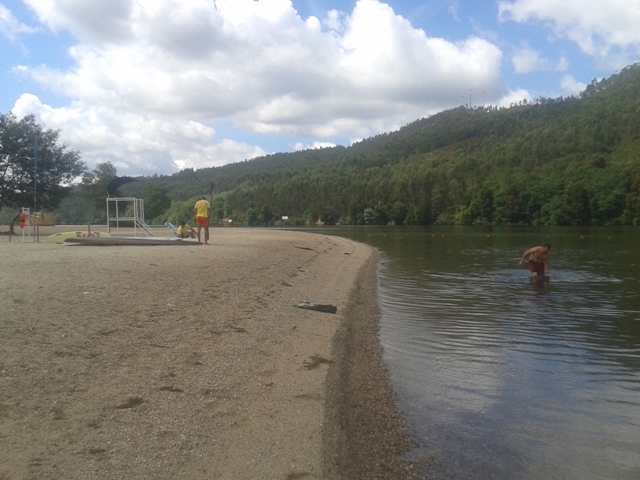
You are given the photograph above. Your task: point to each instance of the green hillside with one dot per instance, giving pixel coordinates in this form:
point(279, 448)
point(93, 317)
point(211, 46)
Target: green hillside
point(565, 161)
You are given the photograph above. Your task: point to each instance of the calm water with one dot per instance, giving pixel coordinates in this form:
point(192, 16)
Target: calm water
point(503, 377)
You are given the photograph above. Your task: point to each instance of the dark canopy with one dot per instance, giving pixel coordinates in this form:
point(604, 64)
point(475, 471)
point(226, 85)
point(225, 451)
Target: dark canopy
point(112, 188)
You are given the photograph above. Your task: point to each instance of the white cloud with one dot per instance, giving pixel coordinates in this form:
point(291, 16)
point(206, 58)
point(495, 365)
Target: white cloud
point(10, 27)
point(527, 60)
point(597, 27)
point(147, 65)
point(136, 143)
point(571, 86)
point(515, 97)
point(88, 20)
point(335, 20)
point(315, 146)
point(453, 10)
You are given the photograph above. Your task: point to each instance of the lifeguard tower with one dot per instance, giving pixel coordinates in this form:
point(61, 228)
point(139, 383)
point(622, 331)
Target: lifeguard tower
point(114, 204)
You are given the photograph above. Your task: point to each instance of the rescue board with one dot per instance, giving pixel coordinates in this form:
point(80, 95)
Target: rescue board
point(170, 226)
point(61, 237)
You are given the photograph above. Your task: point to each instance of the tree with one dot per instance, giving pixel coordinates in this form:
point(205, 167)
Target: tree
point(399, 213)
point(265, 214)
point(576, 203)
point(23, 182)
point(156, 200)
point(252, 217)
point(369, 216)
point(94, 184)
point(484, 199)
point(180, 212)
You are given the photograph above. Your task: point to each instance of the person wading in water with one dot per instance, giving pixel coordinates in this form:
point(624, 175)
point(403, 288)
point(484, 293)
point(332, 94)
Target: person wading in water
point(538, 260)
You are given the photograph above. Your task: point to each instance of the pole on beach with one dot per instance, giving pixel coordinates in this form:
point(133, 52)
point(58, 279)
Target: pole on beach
point(212, 188)
point(35, 187)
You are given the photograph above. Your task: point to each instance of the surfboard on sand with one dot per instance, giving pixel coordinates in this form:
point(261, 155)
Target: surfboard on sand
point(61, 237)
point(170, 226)
point(129, 241)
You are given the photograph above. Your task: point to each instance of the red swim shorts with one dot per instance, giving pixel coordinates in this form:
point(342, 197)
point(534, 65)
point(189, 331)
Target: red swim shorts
point(536, 268)
point(202, 221)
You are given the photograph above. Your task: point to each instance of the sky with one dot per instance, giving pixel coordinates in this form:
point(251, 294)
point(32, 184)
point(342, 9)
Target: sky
point(155, 86)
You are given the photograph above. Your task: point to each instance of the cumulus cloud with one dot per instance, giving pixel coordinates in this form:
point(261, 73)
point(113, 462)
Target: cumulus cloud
point(527, 60)
point(136, 143)
point(315, 146)
point(515, 97)
point(571, 86)
point(597, 27)
point(148, 74)
point(87, 20)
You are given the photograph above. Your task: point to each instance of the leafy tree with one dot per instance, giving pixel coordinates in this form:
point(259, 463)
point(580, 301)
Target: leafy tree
point(369, 216)
point(484, 202)
point(265, 215)
point(156, 200)
point(94, 184)
point(576, 203)
point(23, 182)
point(93, 193)
point(217, 210)
point(399, 213)
point(180, 212)
point(252, 217)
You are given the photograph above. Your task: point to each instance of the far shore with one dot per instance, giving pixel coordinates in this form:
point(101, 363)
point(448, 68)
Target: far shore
point(194, 362)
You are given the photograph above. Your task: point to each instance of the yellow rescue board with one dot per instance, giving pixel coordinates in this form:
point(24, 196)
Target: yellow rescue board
point(60, 237)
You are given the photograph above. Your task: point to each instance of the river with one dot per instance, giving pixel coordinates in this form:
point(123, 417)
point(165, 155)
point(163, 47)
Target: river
point(505, 377)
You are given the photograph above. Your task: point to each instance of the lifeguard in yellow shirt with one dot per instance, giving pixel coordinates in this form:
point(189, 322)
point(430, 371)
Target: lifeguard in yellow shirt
point(185, 231)
point(202, 209)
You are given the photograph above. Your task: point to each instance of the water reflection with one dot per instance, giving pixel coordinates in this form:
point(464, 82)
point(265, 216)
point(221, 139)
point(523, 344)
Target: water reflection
point(503, 376)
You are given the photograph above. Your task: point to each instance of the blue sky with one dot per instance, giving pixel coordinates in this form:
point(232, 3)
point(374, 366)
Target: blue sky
point(158, 85)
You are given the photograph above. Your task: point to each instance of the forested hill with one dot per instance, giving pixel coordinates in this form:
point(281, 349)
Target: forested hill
point(559, 161)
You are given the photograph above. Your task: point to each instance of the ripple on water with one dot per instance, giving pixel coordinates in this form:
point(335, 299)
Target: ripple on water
point(501, 375)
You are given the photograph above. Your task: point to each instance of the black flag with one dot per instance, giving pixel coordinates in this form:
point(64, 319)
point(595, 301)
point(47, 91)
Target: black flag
point(112, 188)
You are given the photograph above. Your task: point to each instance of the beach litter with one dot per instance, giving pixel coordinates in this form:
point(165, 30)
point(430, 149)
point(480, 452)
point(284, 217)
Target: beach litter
point(318, 308)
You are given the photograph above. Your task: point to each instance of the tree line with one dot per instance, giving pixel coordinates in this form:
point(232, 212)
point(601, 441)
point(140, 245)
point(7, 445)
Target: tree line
point(563, 161)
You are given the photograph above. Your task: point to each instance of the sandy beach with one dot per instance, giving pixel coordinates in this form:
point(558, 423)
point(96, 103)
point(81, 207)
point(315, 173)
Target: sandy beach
point(193, 362)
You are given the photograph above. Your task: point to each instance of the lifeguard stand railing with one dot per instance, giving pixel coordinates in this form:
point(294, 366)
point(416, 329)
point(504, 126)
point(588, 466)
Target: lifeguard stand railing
point(114, 215)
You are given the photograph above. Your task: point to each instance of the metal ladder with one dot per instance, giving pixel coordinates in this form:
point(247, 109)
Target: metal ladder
point(145, 227)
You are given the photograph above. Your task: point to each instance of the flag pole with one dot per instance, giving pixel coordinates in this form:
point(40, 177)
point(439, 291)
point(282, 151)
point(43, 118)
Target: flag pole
point(35, 186)
point(212, 187)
